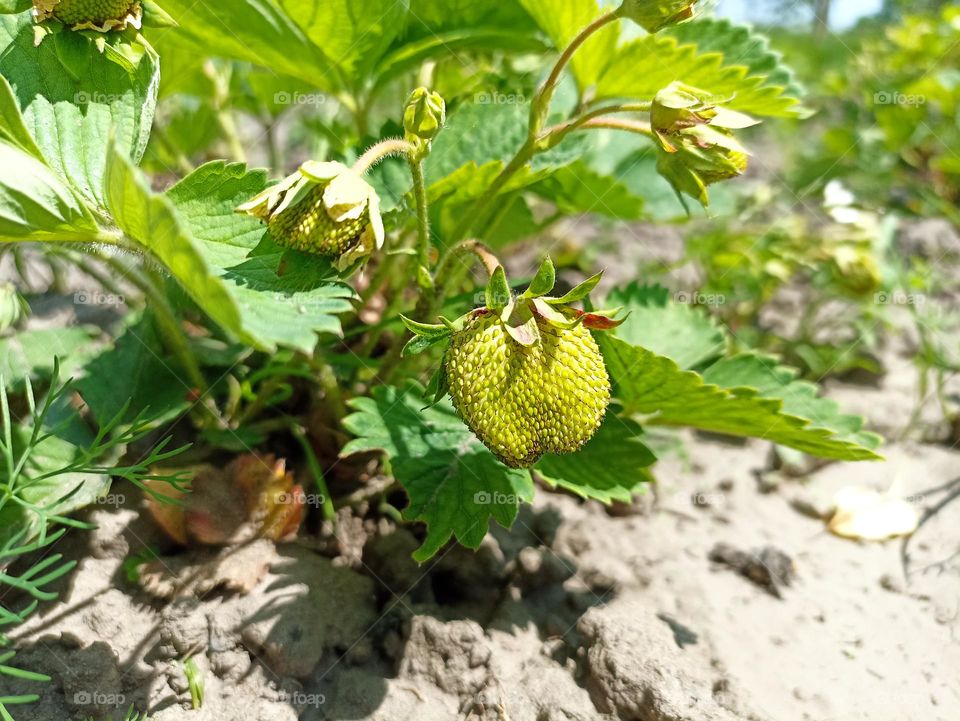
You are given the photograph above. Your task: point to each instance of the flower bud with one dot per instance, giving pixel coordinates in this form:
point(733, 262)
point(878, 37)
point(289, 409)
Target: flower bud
point(696, 143)
point(423, 116)
point(655, 15)
point(325, 209)
point(100, 15)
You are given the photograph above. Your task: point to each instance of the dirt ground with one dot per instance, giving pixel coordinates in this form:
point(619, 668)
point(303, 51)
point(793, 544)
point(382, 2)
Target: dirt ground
point(577, 613)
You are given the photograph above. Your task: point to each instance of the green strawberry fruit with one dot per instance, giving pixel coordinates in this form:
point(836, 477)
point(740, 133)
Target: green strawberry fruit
point(522, 402)
point(524, 373)
point(325, 209)
point(100, 15)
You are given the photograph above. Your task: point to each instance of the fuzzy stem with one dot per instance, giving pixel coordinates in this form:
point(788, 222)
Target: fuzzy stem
point(383, 149)
point(631, 126)
point(423, 215)
point(540, 108)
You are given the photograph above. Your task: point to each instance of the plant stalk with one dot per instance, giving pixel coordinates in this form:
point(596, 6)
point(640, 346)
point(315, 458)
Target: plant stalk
point(383, 149)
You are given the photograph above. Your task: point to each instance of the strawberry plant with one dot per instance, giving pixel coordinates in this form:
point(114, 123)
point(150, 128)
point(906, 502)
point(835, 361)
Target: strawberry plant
point(338, 310)
point(328, 294)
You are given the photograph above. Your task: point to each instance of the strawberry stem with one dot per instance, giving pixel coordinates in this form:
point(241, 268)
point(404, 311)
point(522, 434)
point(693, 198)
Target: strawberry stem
point(383, 149)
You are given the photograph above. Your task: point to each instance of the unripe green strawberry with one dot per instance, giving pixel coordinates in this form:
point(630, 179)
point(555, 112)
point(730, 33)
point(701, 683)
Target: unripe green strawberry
point(522, 402)
point(524, 372)
point(324, 208)
point(100, 15)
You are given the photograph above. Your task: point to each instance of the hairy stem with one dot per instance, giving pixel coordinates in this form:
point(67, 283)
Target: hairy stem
point(383, 149)
point(423, 215)
point(540, 108)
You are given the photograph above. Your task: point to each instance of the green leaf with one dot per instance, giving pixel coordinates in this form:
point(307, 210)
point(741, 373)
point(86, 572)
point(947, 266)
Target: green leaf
point(31, 353)
point(58, 494)
point(577, 188)
point(255, 31)
point(650, 384)
point(275, 309)
point(74, 98)
point(644, 66)
point(562, 21)
point(478, 140)
point(799, 397)
point(456, 486)
point(151, 220)
point(444, 29)
point(612, 466)
point(36, 205)
point(134, 370)
point(678, 331)
point(751, 49)
point(12, 126)
point(353, 34)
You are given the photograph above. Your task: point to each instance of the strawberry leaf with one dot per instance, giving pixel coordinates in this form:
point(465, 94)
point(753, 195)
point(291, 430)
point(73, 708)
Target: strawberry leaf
point(749, 396)
point(612, 466)
point(455, 485)
point(733, 62)
point(679, 331)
